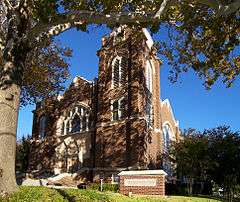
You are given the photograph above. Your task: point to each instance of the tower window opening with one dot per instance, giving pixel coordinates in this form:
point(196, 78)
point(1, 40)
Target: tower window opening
point(118, 109)
point(42, 126)
point(119, 71)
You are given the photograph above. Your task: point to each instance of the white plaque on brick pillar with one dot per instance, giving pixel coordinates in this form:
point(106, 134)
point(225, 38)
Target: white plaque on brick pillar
point(140, 182)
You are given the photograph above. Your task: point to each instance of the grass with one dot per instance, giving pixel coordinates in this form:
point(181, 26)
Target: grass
point(43, 194)
point(35, 194)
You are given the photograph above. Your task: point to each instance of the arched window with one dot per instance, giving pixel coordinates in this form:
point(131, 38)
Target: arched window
point(67, 127)
point(149, 76)
point(167, 136)
point(119, 71)
point(115, 110)
point(42, 126)
point(167, 133)
point(76, 124)
point(116, 72)
point(76, 120)
point(149, 85)
point(149, 113)
point(63, 128)
point(84, 123)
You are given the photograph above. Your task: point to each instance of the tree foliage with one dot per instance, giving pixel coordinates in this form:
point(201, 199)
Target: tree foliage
point(203, 41)
point(199, 36)
point(224, 150)
point(213, 155)
point(191, 157)
point(44, 70)
point(205, 35)
point(22, 154)
point(45, 73)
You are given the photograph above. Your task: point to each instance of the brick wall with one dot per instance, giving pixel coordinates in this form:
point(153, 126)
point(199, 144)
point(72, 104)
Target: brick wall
point(57, 152)
point(159, 189)
point(110, 145)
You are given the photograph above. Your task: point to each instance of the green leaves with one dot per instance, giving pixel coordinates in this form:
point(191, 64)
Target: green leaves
point(211, 155)
point(202, 41)
point(43, 10)
point(45, 72)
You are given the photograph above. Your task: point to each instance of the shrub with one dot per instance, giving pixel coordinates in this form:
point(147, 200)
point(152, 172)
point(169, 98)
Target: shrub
point(34, 194)
point(106, 187)
point(176, 189)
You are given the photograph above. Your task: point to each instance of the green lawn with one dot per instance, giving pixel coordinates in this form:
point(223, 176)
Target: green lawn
point(42, 194)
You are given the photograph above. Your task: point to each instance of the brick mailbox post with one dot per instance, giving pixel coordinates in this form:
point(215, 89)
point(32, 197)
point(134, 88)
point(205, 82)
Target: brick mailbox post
point(143, 182)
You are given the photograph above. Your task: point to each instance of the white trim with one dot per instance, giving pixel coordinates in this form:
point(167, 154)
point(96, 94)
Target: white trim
point(75, 80)
point(167, 103)
point(59, 97)
point(149, 75)
point(172, 135)
point(167, 123)
point(157, 130)
point(119, 70)
point(119, 107)
point(142, 172)
point(149, 41)
point(119, 111)
point(111, 108)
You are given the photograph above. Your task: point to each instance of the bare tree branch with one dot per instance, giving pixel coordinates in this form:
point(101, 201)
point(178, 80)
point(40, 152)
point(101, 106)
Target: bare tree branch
point(1, 44)
point(89, 17)
point(3, 24)
point(231, 8)
point(161, 9)
point(53, 31)
point(211, 3)
point(8, 4)
point(220, 8)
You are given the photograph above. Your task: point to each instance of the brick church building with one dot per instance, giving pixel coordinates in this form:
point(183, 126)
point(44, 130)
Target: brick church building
point(113, 123)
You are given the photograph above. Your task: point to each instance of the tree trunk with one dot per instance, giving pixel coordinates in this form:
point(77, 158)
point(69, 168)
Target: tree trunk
point(202, 187)
point(9, 107)
point(190, 186)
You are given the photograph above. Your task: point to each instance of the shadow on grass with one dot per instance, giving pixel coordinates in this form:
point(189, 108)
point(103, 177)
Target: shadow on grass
point(66, 195)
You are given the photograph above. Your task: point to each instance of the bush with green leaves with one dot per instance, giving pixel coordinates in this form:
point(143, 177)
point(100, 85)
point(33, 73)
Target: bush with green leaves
point(106, 187)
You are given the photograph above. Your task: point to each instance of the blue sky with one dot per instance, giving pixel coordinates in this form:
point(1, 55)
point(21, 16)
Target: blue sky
point(193, 105)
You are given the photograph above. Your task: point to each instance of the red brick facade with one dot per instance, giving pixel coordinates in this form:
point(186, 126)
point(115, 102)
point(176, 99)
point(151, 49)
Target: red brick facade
point(159, 189)
point(143, 182)
point(121, 114)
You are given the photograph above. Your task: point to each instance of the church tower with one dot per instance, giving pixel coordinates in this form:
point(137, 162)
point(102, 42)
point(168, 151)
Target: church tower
point(116, 122)
point(128, 129)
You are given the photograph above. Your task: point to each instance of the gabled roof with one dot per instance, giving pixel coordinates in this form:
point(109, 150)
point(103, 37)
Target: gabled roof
point(167, 104)
point(80, 77)
point(149, 41)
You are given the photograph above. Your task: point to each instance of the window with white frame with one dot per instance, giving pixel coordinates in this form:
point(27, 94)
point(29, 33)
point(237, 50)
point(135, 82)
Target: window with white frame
point(119, 71)
point(149, 76)
point(76, 124)
point(77, 120)
point(118, 109)
point(167, 133)
point(149, 112)
point(42, 126)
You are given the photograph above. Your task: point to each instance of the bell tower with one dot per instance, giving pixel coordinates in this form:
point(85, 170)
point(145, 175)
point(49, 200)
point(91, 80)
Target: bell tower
point(128, 102)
